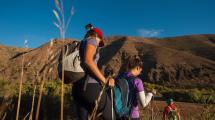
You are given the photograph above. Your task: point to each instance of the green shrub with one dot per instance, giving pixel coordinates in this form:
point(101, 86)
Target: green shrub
point(196, 95)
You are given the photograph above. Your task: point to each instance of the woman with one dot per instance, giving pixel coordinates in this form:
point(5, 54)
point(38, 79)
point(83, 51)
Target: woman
point(86, 91)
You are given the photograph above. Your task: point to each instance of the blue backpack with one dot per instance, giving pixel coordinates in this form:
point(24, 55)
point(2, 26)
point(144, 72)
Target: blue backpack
point(122, 103)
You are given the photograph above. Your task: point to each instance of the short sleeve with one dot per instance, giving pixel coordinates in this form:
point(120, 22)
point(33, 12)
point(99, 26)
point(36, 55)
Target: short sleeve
point(139, 85)
point(92, 42)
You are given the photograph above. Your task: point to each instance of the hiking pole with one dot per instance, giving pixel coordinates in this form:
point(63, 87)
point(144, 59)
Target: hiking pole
point(112, 103)
point(93, 115)
point(152, 110)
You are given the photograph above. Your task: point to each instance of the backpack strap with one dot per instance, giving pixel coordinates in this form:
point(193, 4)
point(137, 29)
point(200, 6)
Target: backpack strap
point(130, 79)
point(72, 49)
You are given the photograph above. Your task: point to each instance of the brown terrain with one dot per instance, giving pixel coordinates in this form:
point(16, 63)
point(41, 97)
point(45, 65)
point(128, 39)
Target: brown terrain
point(186, 61)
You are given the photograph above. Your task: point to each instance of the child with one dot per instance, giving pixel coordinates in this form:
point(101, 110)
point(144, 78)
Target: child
point(136, 89)
point(171, 111)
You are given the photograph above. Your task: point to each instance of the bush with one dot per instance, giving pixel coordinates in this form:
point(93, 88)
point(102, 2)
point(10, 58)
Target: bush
point(50, 104)
point(196, 95)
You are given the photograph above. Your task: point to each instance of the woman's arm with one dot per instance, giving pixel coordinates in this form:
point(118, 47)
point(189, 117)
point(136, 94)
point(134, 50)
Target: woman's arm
point(145, 98)
point(89, 61)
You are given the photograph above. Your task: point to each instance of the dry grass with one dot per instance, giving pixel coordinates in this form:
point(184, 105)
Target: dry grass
point(48, 56)
point(21, 81)
point(32, 105)
point(3, 118)
point(62, 25)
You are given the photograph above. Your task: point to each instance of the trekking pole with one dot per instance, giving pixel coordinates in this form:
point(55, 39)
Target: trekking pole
point(93, 115)
point(152, 110)
point(110, 74)
point(112, 103)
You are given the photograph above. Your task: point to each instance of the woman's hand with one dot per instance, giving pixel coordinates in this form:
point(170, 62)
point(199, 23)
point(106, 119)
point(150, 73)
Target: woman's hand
point(111, 82)
point(154, 92)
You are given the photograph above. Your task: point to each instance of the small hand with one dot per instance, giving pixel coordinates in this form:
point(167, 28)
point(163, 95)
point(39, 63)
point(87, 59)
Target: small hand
point(111, 82)
point(154, 92)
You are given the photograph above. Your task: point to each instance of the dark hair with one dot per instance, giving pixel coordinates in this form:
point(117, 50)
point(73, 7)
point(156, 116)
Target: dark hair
point(90, 32)
point(132, 62)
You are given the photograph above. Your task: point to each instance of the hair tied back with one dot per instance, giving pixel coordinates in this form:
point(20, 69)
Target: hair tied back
point(89, 26)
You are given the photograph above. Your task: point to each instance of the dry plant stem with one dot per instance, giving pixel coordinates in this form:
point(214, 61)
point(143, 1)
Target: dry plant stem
point(43, 80)
point(62, 85)
point(62, 25)
point(26, 116)
point(62, 32)
point(33, 98)
point(32, 105)
point(40, 97)
point(62, 82)
point(5, 114)
point(20, 89)
point(40, 93)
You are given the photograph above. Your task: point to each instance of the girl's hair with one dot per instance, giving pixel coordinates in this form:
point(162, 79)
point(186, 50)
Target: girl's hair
point(132, 62)
point(90, 32)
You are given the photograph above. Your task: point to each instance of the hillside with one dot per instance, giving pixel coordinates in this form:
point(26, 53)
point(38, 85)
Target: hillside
point(185, 61)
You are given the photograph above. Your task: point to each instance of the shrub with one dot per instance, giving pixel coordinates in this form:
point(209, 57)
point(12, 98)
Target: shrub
point(196, 95)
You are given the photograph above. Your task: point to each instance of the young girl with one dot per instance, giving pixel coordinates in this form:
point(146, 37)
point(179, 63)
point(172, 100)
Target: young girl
point(134, 67)
point(171, 111)
point(86, 91)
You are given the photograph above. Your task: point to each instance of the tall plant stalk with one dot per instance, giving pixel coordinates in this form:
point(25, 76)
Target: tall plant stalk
point(40, 97)
point(62, 25)
point(42, 80)
point(32, 104)
point(33, 97)
point(20, 82)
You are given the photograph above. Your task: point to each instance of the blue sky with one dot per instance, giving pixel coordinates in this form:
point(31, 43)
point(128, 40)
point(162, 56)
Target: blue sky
point(32, 19)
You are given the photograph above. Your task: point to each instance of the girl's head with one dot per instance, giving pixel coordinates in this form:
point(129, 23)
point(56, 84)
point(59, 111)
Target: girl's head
point(94, 32)
point(134, 64)
point(169, 101)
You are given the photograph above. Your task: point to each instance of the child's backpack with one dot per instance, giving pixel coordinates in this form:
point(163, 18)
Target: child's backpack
point(172, 115)
point(72, 64)
point(122, 103)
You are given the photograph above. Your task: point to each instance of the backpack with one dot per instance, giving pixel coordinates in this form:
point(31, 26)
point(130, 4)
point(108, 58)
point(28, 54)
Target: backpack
point(122, 103)
point(72, 64)
point(172, 115)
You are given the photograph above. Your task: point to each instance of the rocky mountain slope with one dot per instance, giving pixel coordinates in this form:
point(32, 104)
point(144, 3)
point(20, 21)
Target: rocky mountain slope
point(185, 61)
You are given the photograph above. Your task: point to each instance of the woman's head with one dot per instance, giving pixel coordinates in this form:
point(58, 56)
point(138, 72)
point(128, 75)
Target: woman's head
point(94, 32)
point(134, 64)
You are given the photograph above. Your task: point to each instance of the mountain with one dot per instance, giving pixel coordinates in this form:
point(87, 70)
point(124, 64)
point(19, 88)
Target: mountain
point(184, 61)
